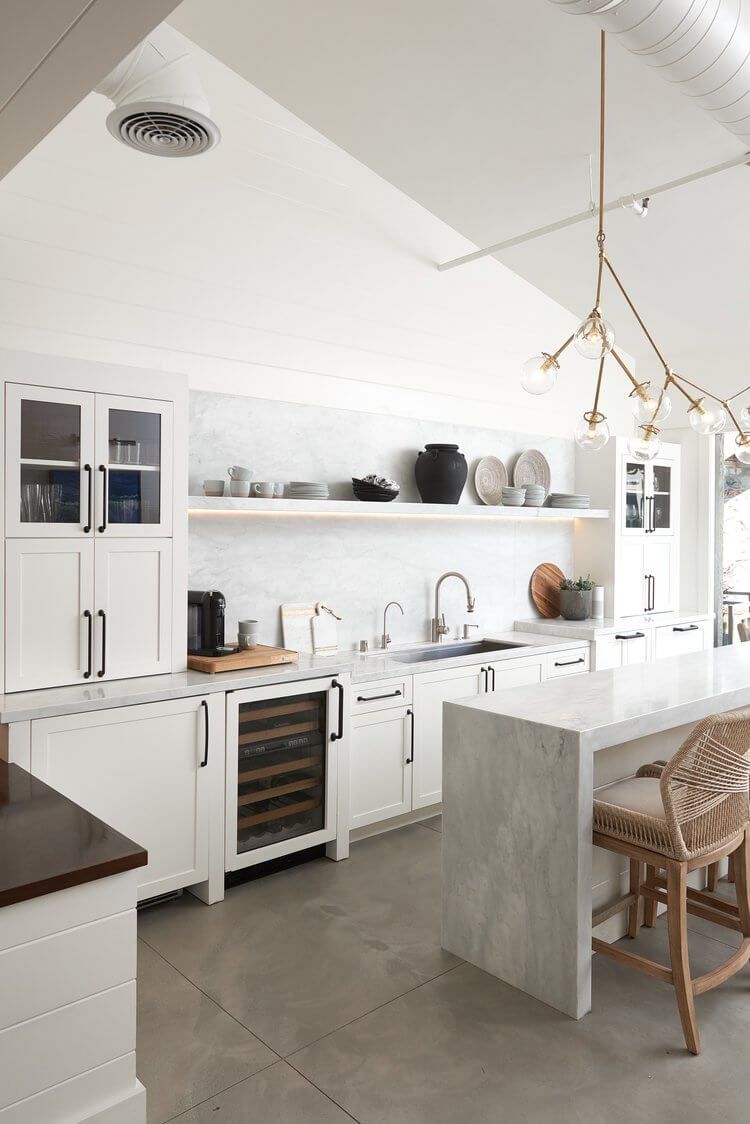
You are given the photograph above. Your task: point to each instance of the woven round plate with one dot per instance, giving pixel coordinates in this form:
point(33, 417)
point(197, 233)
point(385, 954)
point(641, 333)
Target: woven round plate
point(545, 589)
point(490, 477)
point(532, 468)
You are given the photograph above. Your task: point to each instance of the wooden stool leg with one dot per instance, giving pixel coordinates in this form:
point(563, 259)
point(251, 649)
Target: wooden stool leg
point(712, 877)
point(634, 911)
point(678, 951)
point(742, 881)
point(650, 906)
point(730, 872)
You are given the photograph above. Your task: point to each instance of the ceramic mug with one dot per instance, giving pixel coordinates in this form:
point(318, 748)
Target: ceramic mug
point(213, 487)
point(264, 488)
point(240, 489)
point(247, 634)
point(237, 472)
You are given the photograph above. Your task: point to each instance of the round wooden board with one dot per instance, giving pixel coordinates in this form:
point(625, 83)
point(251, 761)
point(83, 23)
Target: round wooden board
point(545, 589)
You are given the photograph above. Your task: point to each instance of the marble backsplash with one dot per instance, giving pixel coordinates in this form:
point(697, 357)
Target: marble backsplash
point(357, 565)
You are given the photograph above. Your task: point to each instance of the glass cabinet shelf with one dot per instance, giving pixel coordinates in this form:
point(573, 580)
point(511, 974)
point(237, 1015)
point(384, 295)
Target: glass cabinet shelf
point(34, 463)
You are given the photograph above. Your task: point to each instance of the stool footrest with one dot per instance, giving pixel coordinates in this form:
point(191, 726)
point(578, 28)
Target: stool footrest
point(724, 971)
point(619, 906)
point(633, 960)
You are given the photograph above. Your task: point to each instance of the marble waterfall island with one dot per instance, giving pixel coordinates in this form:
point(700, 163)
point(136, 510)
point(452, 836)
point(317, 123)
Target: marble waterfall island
point(519, 770)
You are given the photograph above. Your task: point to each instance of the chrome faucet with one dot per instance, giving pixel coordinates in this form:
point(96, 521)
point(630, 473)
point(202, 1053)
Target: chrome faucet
point(439, 627)
point(386, 638)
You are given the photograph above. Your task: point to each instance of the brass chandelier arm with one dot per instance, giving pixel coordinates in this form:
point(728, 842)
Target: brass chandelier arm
point(732, 397)
point(628, 372)
point(556, 354)
point(701, 390)
point(595, 411)
point(635, 312)
point(602, 122)
point(671, 380)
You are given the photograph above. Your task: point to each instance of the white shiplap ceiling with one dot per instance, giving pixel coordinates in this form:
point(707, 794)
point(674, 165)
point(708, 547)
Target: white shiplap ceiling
point(485, 113)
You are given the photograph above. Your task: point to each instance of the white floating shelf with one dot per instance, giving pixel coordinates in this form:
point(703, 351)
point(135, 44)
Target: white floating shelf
point(228, 505)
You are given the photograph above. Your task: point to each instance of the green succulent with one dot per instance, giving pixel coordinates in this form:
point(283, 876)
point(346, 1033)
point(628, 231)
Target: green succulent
point(581, 585)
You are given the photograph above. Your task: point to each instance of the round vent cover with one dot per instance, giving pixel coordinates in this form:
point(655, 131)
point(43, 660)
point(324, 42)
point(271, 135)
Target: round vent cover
point(163, 129)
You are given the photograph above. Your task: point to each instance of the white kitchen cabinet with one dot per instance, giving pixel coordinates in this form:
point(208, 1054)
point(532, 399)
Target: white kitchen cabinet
point(143, 770)
point(133, 467)
point(380, 765)
point(621, 649)
point(50, 591)
point(679, 639)
point(646, 581)
point(133, 608)
point(513, 673)
point(659, 570)
point(559, 665)
point(431, 690)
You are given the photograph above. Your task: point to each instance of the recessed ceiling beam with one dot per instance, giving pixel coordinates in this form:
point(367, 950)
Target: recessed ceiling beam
point(589, 213)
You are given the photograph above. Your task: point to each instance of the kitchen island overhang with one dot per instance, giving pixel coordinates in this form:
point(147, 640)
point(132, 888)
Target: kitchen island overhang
point(519, 771)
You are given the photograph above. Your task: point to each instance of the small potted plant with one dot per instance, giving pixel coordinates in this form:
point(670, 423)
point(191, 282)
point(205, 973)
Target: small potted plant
point(575, 599)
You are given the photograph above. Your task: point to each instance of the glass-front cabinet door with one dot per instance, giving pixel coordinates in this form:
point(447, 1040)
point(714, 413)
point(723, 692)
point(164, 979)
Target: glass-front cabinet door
point(635, 508)
point(662, 498)
point(49, 458)
point(133, 467)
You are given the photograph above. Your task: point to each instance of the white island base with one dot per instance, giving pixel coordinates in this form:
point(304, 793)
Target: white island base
point(519, 771)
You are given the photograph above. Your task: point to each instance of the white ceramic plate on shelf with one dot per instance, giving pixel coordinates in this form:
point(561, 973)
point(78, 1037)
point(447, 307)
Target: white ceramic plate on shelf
point(490, 477)
point(532, 468)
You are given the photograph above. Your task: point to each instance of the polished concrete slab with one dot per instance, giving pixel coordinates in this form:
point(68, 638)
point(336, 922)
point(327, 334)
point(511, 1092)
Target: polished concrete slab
point(337, 968)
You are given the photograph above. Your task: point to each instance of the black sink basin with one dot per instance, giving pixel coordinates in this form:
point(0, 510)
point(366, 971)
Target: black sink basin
point(452, 651)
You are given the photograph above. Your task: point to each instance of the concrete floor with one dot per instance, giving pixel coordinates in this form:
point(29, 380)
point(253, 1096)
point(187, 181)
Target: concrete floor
point(321, 995)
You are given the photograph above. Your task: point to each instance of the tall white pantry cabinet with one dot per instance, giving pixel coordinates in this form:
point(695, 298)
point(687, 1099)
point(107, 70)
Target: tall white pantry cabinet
point(94, 508)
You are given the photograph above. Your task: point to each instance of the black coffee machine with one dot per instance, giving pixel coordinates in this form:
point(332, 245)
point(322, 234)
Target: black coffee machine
point(206, 612)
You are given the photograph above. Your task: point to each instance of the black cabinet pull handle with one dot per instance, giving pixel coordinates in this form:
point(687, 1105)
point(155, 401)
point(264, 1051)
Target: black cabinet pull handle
point(569, 663)
point(87, 528)
point(340, 733)
point(105, 498)
point(204, 762)
point(103, 668)
point(483, 671)
point(686, 628)
point(90, 624)
point(491, 670)
point(373, 698)
point(629, 635)
point(410, 758)
point(653, 591)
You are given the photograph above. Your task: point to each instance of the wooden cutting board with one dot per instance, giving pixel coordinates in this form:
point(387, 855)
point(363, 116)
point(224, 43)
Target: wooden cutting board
point(545, 589)
point(261, 656)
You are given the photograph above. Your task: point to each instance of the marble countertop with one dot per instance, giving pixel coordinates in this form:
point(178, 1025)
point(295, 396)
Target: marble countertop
point(609, 707)
point(592, 629)
point(363, 668)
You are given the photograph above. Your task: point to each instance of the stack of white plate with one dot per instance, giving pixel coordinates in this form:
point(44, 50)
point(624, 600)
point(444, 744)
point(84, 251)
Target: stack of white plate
point(535, 495)
point(574, 502)
point(513, 497)
point(306, 490)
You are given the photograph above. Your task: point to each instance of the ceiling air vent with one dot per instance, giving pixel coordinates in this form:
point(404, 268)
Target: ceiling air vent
point(160, 107)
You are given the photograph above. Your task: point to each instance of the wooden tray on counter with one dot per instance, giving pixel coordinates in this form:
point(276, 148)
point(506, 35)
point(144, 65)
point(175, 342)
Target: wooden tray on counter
point(260, 656)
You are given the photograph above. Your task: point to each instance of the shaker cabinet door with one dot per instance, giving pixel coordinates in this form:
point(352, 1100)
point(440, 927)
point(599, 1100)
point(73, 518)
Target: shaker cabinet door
point(380, 765)
point(632, 592)
point(431, 690)
point(134, 453)
point(49, 589)
point(133, 608)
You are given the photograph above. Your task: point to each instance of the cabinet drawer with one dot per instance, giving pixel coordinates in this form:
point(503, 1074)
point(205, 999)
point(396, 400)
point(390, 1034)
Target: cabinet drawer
point(380, 694)
point(96, 957)
point(575, 662)
point(677, 639)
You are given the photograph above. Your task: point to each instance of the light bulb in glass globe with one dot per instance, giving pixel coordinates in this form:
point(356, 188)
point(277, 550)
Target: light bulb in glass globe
point(745, 417)
point(645, 443)
point(592, 432)
point(538, 374)
point(649, 406)
point(594, 337)
point(742, 452)
point(707, 417)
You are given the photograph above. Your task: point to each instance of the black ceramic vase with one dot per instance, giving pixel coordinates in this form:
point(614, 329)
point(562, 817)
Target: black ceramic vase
point(441, 473)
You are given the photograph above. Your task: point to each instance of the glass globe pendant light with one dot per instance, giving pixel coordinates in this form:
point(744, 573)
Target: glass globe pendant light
point(592, 432)
point(539, 373)
point(649, 407)
point(707, 417)
point(645, 443)
point(595, 337)
point(742, 452)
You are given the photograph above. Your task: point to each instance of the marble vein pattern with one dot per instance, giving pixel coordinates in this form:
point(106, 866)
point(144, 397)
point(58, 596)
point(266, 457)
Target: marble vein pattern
point(354, 565)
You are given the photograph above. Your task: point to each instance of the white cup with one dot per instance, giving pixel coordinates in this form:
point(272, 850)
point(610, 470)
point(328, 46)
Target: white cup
point(239, 488)
point(264, 488)
point(213, 487)
point(248, 634)
point(237, 472)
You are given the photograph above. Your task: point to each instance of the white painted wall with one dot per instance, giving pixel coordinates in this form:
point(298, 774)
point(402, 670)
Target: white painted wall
point(356, 566)
point(276, 266)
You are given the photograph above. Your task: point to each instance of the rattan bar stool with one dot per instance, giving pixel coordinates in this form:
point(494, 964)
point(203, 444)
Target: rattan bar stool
point(694, 813)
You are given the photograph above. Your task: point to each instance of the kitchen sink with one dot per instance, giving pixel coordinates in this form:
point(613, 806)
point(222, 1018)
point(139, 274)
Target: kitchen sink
point(452, 651)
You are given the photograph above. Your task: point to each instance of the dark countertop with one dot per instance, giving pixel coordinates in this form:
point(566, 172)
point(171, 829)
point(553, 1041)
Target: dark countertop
point(48, 843)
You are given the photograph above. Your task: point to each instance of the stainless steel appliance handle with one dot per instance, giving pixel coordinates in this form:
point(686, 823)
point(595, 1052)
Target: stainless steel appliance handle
point(338, 735)
point(204, 762)
point(410, 758)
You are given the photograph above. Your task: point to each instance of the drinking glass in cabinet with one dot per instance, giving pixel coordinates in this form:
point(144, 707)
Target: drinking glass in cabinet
point(281, 765)
point(635, 491)
point(50, 462)
point(135, 459)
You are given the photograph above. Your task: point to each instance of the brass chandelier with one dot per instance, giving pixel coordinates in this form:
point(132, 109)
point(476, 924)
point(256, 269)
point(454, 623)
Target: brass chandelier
point(595, 338)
